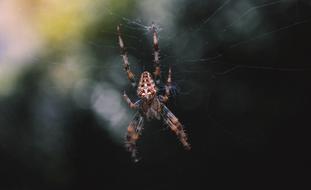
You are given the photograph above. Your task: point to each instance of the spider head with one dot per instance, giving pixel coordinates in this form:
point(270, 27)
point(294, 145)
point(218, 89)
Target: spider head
point(146, 89)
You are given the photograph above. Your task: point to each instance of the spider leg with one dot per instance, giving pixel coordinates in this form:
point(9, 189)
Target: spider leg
point(168, 87)
point(171, 120)
point(129, 102)
point(126, 64)
point(156, 53)
point(133, 132)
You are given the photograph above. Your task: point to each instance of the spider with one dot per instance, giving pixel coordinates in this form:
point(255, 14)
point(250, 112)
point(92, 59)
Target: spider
point(151, 103)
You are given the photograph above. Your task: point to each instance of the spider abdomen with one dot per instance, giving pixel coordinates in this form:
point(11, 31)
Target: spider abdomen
point(146, 88)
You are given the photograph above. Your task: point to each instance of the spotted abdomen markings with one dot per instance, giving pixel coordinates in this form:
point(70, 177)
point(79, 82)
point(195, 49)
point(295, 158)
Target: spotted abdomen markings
point(146, 87)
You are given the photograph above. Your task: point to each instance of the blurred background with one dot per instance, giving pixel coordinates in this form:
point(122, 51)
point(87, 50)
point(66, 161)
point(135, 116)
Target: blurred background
point(242, 68)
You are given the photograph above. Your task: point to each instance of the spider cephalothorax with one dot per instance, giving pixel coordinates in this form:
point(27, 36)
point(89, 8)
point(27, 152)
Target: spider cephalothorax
point(151, 103)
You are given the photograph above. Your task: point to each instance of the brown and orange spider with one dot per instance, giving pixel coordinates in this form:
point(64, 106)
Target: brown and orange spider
point(151, 103)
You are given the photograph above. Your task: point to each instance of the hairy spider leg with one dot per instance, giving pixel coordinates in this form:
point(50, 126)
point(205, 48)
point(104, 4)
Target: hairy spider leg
point(130, 103)
point(133, 133)
point(126, 64)
point(171, 120)
point(156, 53)
point(168, 87)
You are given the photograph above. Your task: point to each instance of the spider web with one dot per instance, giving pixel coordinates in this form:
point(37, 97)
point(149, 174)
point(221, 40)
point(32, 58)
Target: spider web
point(221, 41)
point(204, 25)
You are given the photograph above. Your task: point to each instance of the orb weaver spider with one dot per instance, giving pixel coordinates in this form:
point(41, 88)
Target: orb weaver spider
point(151, 103)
